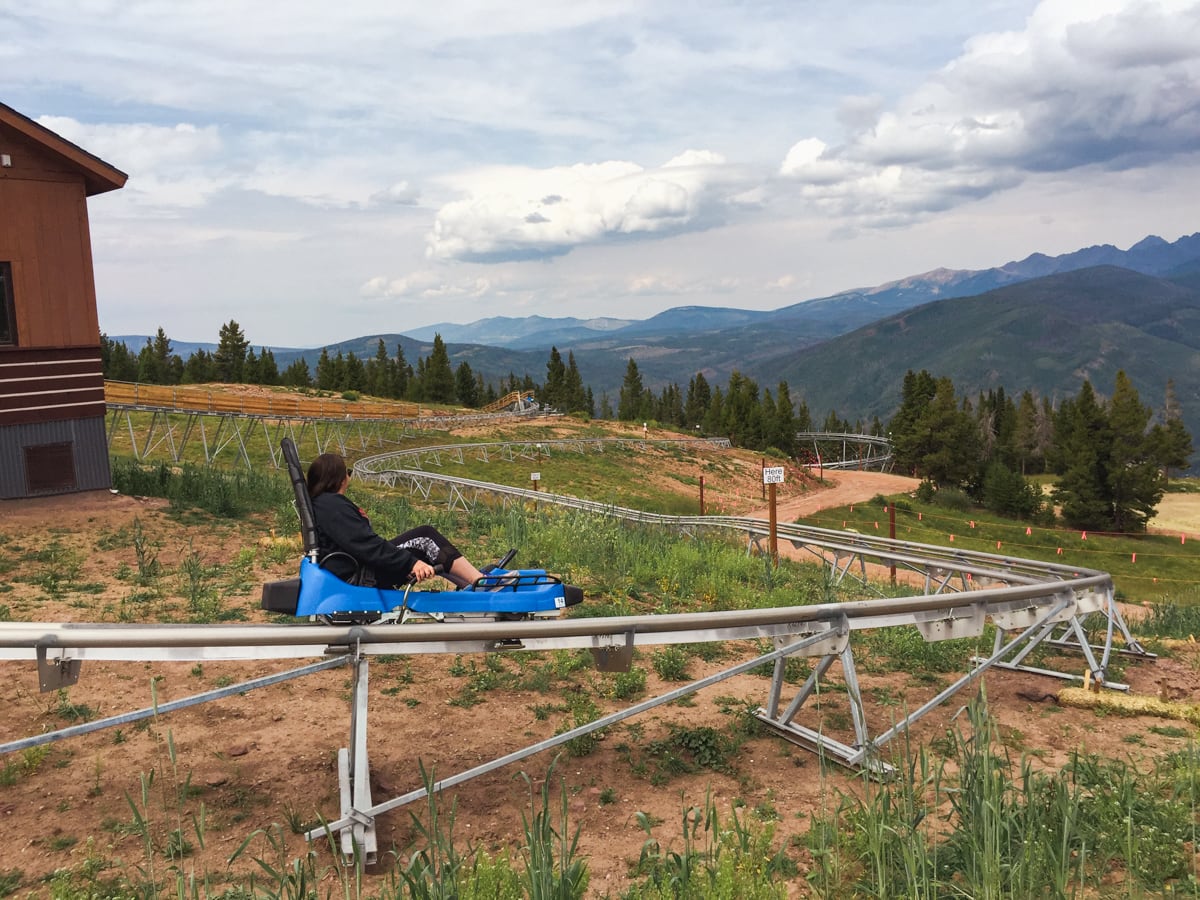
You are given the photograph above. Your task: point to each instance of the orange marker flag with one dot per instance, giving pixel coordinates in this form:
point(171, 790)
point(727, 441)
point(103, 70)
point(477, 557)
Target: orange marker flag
point(1083, 535)
point(1028, 530)
point(997, 545)
point(951, 537)
point(1060, 551)
point(1133, 557)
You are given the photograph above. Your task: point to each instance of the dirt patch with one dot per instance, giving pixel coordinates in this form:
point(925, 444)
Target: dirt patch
point(269, 755)
point(1177, 514)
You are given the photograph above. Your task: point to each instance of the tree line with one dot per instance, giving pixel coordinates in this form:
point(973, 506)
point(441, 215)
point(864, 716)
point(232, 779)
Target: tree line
point(386, 375)
point(1111, 457)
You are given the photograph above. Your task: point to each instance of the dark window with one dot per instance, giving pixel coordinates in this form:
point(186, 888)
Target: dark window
point(8, 314)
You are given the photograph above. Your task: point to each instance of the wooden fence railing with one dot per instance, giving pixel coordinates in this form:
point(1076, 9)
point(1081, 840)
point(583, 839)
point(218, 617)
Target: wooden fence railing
point(504, 402)
point(124, 393)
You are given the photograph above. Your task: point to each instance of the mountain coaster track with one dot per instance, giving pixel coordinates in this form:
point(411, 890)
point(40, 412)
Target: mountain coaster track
point(1030, 603)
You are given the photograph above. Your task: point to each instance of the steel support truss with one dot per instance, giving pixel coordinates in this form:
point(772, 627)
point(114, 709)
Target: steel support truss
point(170, 433)
point(832, 450)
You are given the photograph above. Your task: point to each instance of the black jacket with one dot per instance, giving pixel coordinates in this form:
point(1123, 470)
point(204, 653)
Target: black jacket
point(342, 526)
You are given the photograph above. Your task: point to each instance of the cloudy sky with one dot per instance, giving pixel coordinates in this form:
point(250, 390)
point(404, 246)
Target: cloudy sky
point(317, 171)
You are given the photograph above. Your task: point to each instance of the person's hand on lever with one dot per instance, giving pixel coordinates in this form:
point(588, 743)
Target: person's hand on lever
point(422, 570)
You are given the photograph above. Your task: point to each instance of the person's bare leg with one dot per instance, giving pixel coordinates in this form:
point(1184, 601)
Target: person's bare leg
point(462, 571)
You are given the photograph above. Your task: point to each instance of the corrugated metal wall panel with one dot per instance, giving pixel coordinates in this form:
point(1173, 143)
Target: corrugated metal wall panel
point(89, 448)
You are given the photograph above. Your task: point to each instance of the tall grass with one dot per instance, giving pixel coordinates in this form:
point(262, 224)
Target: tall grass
point(980, 824)
point(224, 493)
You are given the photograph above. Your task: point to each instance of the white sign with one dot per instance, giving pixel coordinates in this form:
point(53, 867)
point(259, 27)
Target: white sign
point(773, 475)
point(535, 476)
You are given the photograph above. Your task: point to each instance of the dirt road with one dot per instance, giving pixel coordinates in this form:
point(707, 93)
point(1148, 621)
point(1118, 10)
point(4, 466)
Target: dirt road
point(845, 488)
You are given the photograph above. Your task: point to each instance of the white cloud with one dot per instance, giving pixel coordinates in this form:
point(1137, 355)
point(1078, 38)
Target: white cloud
point(400, 194)
point(429, 285)
point(514, 213)
point(1107, 83)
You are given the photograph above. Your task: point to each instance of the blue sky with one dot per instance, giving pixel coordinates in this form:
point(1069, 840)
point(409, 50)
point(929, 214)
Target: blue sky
point(320, 171)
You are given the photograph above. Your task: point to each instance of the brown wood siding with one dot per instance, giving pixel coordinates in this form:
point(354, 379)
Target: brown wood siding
point(49, 386)
point(44, 234)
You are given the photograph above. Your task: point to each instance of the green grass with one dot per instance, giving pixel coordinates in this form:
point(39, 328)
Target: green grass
point(607, 476)
point(1157, 568)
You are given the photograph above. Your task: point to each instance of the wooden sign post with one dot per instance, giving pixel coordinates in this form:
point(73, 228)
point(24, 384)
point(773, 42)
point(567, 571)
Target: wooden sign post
point(773, 475)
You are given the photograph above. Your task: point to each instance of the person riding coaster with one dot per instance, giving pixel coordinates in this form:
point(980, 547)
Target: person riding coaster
point(337, 587)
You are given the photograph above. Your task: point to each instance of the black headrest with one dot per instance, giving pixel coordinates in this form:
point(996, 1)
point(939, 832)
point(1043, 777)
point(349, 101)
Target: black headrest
point(308, 525)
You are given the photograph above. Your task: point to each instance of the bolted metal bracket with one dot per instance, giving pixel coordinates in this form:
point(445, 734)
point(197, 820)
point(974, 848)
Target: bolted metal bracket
point(56, 673)
point(613, 657)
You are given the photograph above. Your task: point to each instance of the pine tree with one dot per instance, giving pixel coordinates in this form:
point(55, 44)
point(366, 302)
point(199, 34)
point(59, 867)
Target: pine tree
point(354, 374)
point(378, 370)
point(909, 439)
point(784, 436)
point(250, 368)
point(401, 375)
point(1025, 435)
point(699, 395)
point(325, 373)
point(116, 362)
point(199, 368)
point(268, 369)
point(803, 417)
point(1082, 442)
point(149, 369)
point(1170, 440)
point(297, 374)
point(1135, 481)
point(742, 417)
point(230, 355)
point(714, 418)
point(670, 407)
point(941, 439)
point(439, 384)
point(576, 395)
point(465, 388)
point(554, 392)
point(629, 402)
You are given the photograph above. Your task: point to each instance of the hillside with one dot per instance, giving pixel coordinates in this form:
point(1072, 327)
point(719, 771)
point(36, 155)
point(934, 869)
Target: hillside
point(1041, 323)
point(1044, 335)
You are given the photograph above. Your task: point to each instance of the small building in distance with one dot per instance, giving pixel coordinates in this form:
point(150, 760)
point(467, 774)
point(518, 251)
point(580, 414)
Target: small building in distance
point(52, 412)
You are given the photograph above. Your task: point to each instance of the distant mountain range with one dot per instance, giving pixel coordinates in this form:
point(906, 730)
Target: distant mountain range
point(1042, 323)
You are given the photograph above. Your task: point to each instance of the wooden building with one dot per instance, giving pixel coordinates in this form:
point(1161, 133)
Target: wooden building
point(52, 411)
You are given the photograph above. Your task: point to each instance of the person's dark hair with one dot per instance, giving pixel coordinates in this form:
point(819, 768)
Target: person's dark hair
point(326, 474)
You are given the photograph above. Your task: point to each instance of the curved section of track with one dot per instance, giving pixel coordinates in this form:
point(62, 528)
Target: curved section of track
point(836, 450)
